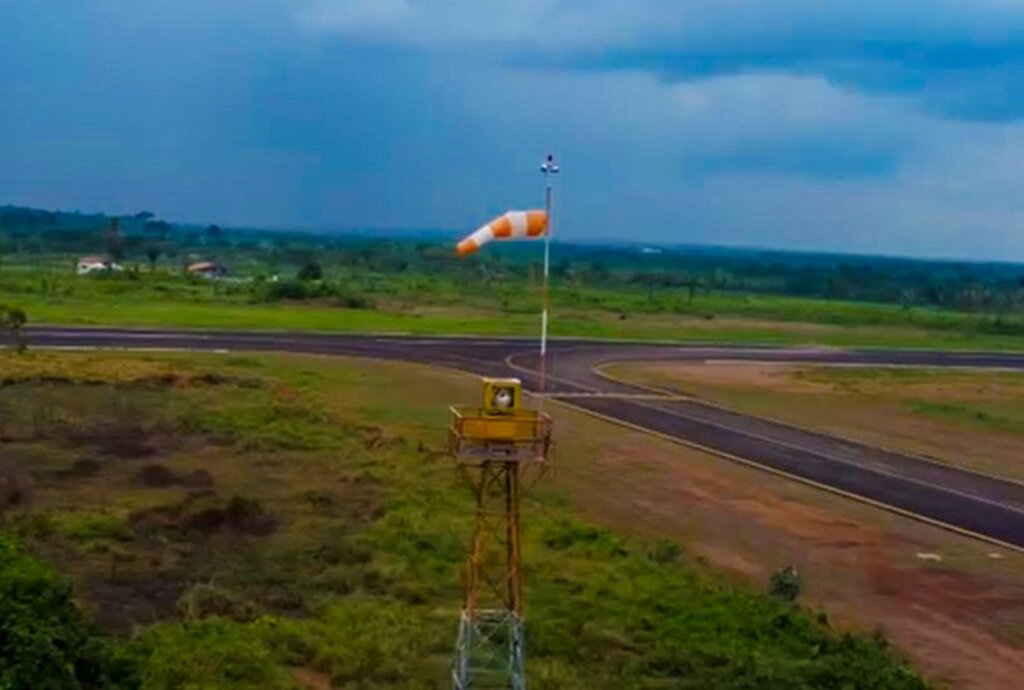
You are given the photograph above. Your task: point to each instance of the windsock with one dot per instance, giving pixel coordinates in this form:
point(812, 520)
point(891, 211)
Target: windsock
point(512, 225)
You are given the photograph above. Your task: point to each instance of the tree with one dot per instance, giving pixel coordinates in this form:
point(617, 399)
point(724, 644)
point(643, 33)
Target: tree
point(907, 299)
point(12, 319)
point(158, 228)
point(786, 584)
point(691, 284)
point(310, 271)
point(46, 641)
point(153, 252)
point(114, 241)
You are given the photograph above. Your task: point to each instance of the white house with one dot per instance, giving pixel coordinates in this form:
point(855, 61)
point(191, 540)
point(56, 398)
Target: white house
point(207, 269)
point(93, 264)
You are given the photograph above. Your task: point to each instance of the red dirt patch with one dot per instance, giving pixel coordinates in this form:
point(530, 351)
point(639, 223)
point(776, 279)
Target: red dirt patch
point(858, 562)
point(313, 680)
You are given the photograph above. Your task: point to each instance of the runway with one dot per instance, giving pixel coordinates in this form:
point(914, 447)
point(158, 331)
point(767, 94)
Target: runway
point(978, 505)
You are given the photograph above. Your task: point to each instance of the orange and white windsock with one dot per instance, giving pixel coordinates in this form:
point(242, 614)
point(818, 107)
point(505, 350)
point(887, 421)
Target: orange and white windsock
point(512, 225)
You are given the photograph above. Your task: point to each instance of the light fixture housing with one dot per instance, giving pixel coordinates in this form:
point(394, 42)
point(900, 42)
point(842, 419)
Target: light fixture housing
point(502, 396)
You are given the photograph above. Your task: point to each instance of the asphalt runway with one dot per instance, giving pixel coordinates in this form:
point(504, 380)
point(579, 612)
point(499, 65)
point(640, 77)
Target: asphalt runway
point(981, 506)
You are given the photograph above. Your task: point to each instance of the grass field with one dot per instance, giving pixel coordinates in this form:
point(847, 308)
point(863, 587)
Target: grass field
point(970, 418)
point(419, 304)
point(284, 522)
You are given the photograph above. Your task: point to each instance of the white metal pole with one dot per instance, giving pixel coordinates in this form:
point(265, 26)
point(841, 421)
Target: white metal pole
point(549, 168)
point(547, 269)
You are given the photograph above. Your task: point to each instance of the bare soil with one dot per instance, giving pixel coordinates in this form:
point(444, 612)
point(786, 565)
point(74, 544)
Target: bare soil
point(956, 616)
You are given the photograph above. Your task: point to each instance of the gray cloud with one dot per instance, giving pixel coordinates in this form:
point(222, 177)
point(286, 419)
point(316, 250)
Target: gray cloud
point(774, 123)
point(960, 59)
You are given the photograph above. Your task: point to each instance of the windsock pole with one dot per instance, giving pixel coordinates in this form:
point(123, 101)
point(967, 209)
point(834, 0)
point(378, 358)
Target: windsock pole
point(548, 168)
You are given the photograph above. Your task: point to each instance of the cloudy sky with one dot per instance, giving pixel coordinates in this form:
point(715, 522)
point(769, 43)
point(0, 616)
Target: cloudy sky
point(869, 126)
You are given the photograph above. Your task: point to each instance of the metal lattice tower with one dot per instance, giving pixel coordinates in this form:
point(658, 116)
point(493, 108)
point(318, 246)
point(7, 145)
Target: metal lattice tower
point(494, 446)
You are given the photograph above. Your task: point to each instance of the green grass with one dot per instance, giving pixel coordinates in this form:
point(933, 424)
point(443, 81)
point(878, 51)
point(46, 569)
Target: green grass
point(92, 527)
point(594, 324)
point(975, 415)
point(973, 400)
point(357, 579)
point(411, 303)
point(885, 375)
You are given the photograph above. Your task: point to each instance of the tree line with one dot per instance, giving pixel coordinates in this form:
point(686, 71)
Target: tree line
point(991, 288)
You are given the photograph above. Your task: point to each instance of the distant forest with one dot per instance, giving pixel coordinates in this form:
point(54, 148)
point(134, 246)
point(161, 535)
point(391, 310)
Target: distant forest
point(28, 235)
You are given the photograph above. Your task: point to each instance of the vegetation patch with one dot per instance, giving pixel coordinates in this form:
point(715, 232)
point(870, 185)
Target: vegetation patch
point(45, 641)
point(109, 369)
point(331, 539)
point(972, 415)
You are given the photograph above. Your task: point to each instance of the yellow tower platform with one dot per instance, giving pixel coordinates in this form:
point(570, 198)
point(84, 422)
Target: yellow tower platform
point(493, 445)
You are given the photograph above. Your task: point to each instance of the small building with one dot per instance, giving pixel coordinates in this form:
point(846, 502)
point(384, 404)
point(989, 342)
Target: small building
point(95, 264)
point(207, 269)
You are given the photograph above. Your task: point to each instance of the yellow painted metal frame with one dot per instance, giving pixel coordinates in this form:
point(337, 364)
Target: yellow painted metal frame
point(493, 385)
point(477, 433)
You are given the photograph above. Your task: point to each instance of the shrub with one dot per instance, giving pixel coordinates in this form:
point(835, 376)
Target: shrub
point(45, 642)
point(12, 319)
point(310, 271)
point(309, 288)
point(786, 584)
point(565, 534)
point(356, 302)
point(93, 527)
point(292, 289)
point(213, 654)
point(664, 551)
point(207, 600)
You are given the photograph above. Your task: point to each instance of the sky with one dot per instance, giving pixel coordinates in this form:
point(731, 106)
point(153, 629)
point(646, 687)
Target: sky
point(869, 126)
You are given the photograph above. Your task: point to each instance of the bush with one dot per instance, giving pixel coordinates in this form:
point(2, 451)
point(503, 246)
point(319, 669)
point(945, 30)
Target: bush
point(12, 319)
point(310, 271)
point(293, 289)
point(786, 584)
point(93, 527)
point(45, 642)
point(207, 600)
point(307, 288)
point(356, 302)
point(567, 534)
point(213, 654)
point(664, 551)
